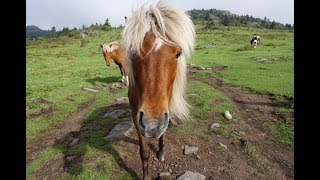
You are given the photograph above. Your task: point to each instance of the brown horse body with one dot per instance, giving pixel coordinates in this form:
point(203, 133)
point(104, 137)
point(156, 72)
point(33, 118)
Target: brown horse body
point(115, 51)
point(157, 71)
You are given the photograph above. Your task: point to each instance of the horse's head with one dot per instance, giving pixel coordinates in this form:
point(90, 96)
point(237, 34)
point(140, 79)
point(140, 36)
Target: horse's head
point(106, 54)
point(157, 67)
point(154, 72)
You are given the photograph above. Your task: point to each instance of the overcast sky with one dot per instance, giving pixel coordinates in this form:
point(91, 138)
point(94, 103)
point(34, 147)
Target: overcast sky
point(75, 13)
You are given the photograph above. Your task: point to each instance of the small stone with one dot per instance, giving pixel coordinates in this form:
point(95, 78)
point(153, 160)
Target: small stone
point(70, 158)
point(164, 174)
point(74, 142)
point(190, 175)
point(223, 145)
point(156, 159)
point(190, 150)
point(122, 99)
point(198, 157)
point(170, 170)
point(214, 125)
point(91, 90)
point(227, 115)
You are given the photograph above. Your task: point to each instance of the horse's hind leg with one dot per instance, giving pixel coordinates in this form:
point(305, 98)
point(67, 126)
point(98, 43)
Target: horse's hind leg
point(161, 155)
point(122, 74)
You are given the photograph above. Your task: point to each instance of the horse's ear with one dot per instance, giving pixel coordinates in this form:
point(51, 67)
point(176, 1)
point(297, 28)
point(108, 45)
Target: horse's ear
point(125, 19)
point(155, 19)
point(101, 46)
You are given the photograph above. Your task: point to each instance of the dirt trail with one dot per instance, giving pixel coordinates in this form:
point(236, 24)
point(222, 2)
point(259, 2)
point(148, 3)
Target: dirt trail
point(46, 139)
point(253, 154)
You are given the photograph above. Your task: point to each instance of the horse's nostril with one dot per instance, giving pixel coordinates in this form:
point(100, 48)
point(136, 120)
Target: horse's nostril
point(166, 116)
point(141, 120)
point(165, 120)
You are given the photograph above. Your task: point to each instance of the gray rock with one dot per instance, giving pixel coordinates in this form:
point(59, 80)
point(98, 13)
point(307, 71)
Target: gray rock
point(74, 142)
point(116, 85)
point(70, 158)
point(165, 174)
point(114, 114)
point(209, 46)
point(122, 99)
point(190, 150)
point(188, 175)
point(91, 90)
point(223, 145)
point(201, 68)
point(227, 115)
point(120, 130)
point(214, 125)
point(262, 59)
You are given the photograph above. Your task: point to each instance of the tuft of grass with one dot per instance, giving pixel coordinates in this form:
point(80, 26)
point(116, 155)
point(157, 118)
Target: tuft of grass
point(204, 101)
point(283, 134)
point(88, 173)
point(253, 154)
point(44, 158)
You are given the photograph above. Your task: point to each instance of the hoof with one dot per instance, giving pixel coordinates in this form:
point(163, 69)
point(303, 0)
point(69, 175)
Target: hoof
point(161, 156)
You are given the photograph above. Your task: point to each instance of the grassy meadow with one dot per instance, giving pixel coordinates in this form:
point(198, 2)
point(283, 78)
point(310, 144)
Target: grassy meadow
point(58, 68)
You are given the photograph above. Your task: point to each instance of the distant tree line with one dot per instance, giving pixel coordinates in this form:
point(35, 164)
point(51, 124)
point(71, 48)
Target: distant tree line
point(211, 17)
point(34, 32)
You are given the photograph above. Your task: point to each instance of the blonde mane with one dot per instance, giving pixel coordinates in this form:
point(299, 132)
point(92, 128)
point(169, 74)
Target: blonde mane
point(176, 28)
point(111, 46)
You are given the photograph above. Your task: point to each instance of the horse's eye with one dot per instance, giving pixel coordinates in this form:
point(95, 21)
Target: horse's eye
point(179, 53)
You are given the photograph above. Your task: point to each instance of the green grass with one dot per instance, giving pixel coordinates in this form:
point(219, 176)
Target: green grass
point(233, 50)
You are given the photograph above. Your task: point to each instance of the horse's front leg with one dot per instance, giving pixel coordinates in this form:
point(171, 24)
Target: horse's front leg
point(121, 71)
point(144, 154)
point(161, 155)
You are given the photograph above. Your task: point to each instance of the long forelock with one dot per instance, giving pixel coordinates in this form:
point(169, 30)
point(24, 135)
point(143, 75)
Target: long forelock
point(176, 28)
point(114, 45)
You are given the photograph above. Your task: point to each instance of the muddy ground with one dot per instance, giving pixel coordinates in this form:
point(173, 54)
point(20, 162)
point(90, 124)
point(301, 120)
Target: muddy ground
point(252, 153)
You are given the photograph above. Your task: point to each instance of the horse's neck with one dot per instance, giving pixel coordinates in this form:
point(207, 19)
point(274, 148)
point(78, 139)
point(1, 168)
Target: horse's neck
point(117, 56)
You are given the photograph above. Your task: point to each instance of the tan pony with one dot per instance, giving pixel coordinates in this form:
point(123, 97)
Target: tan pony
point(158, 40)
point(115, 51)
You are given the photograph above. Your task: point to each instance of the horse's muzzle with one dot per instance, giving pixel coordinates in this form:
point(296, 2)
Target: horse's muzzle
point(153, 128)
